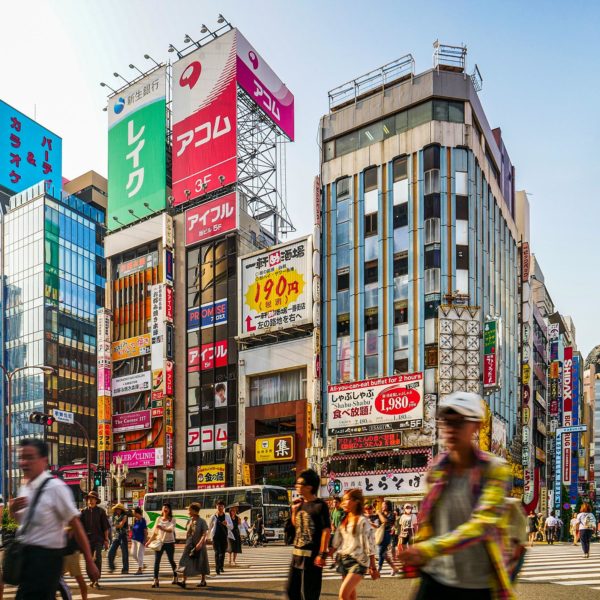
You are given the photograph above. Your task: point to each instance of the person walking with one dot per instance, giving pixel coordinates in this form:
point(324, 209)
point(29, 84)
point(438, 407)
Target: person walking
point(395, 534)
point(353, 541)
point(139, 537)
point(336, 517)
point(44, 507)
point(234, 544)
point(120, 526)
point(532, 527)
point(220, 531)
point(97, 527)
point(384, 533)
point(259, 531)
point(462, 518)
point(310, 517)
point(573, 529)
point(245, 530)
point(407, 526)
point(194, 559)
point(587, 525)
point(551, 527)
point(164, 533)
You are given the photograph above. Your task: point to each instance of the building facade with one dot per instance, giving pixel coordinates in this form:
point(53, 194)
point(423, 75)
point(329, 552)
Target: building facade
point(418, 219)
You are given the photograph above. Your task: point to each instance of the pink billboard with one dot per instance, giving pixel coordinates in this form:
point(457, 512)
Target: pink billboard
point(207, 356)
point(257, 78)
point(150, 457)
point(204, 120)
point(211, 219)
point(132, 421)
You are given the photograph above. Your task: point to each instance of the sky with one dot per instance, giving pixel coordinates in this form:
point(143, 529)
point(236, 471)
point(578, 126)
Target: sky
point(538, 60)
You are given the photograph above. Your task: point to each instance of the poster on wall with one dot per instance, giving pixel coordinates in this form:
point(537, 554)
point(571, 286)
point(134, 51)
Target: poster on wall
point(499, 436)
point(131, 384)
point(276, 289)
point(373, 405)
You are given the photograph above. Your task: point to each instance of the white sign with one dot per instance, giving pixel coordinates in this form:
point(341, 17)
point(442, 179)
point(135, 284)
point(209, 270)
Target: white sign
point(388, 484)
point(63, 416)
point(130, 384)
point(376, 404)
point(553, 331)
point(276, 288)
point(213, 437)
point(157, 315)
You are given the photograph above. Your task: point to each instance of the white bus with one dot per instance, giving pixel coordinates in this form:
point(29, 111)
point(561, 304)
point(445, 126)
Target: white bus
point(270, 501)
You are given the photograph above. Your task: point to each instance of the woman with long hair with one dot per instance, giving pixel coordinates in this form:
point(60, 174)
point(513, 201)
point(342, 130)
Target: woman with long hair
point(587, 526)
point(234, 546)
point(354, 543)
point(164, 531)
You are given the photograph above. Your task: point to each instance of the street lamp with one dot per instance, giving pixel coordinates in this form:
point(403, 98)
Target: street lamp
point(118, 471)
point(8, 376)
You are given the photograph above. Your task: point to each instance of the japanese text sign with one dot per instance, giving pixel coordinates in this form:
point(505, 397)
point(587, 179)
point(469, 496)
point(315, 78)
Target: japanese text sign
point(131, 347)
point(207, 315)
point(137, 150)
point(276, 289)
point(211, 219)
point(131, 384)
point(370, 405)
point(490, 353)
point(373, 441)
point(131, 421)
point(29, 153)
point(275, 448)
point(392, 483)
point(207, 356)
point(210, 476)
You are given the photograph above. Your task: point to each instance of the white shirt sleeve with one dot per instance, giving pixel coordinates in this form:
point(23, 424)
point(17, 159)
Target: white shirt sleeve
point(63, 502)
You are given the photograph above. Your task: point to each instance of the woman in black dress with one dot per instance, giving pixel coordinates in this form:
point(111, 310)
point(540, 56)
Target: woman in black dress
point(234, 546)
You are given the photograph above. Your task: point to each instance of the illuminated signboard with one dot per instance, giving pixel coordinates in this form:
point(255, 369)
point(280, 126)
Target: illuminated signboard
point(373, 441)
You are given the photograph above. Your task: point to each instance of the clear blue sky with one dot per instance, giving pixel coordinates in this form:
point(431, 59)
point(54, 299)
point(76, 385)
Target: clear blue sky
point(538, 59)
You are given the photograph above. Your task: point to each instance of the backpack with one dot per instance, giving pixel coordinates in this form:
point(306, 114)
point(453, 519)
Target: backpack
point(589, 521)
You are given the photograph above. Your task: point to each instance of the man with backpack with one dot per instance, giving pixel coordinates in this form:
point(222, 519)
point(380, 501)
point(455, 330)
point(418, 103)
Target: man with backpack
point(463, 530)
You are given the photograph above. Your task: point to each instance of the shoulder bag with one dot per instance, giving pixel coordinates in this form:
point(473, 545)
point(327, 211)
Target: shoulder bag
point(13, 561)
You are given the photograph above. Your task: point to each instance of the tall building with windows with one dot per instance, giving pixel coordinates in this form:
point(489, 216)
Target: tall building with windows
point(54, 281)
point(418, 216)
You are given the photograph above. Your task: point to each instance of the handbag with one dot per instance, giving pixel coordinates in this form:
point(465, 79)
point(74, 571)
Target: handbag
point(380, 534)
point(13, 561)
point(155, 545)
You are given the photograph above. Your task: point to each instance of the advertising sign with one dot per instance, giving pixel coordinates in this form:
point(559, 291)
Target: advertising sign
point(499, 437)
point(383, 484)
point(274, 448)
point(158, 384)
point(157, 316)
point(276, 289)
point(211, 219)
point(131, 347)
point(567, 412)
point(130, 384)
point(207, 315)
point(132, 421)
point(490, 353)
point(29, 153)
point(136, 265)
point(213, 437)
point(374, 441)
point(207, 356)
point(575, 436)
point(169, 378)
point(553, 331)
point(210, 476)
point(134, 459)
point(366, 406)
point(525, 262)
point(137, 150)
point(266, 89)
point(205, 119)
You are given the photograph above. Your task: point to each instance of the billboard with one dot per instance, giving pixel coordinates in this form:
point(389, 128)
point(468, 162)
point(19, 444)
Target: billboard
point(211, 219)
point(29, 153)
point(136, 265)
point(210, 476)
point(137, 165)
point(207, 356)
point(490, 353)
point(374, 441)
point(388, 403)
point(207, 437)
point(132, 421)
point(207, 315)
point(499, 437)
point(131, 347)
point(567, 404)
point(381, 484)
point(261, 83)
point(205, 120)
point(274, 448)
point(134, 459)
point(276, 289)
point(131, 384)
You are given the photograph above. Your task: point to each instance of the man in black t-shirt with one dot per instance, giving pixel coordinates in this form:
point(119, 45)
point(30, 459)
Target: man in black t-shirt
point(310, 517)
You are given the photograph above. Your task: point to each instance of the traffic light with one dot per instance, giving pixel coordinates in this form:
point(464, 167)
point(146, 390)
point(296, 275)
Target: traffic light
point(40, 418)
point(98, 478)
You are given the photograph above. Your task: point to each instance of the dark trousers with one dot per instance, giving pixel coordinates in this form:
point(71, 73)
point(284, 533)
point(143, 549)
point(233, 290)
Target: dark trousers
point(119, 540)
point(220, 546)
point(585, 535)
point(97, 554)
point(550, 535)
point(383, 548)
point(43, 568)
point(430, 589)
point(305, 583)
point(169, 550)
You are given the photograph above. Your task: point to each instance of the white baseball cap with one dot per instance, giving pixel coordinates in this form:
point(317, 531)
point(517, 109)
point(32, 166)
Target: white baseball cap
point(468, 404)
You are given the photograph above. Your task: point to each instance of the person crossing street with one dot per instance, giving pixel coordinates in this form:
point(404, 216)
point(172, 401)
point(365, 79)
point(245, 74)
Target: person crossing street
point(97, 527)
point(221, 530)
point(121, 528)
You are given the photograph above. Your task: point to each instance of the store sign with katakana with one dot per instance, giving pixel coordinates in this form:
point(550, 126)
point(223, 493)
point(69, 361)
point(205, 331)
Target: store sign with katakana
point(211, 219)
point(137, 150)
point(29, 153)
point(380, 484)
point(276, 289)
point(275, 449)
point(210, 476)
point(388, 403)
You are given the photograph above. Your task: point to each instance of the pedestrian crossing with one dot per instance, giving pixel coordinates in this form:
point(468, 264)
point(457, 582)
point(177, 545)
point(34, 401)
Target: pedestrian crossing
point(562, 564)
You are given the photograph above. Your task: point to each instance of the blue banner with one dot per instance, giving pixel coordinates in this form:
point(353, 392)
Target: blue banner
point(207, 315)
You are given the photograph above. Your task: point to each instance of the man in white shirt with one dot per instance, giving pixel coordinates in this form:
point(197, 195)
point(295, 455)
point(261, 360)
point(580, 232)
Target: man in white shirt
point(45, 539)
point(551, 526)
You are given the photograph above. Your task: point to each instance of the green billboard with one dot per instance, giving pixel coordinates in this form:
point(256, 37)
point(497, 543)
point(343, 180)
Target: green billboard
point(137, 151)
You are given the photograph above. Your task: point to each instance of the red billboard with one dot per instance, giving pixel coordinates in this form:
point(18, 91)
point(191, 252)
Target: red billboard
point(207, 356)
point(373, 441)
point(204, 119)
point(211, 219)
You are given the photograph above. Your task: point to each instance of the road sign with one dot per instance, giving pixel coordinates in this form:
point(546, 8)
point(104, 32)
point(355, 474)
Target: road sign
point(63, 416)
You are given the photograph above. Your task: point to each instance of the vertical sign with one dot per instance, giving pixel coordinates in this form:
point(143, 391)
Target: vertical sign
point(574, 436)
point(104, 376)
point(490, 354)
point(567, 413)
point(525, 262)
point(205, 119)
point(137, 150)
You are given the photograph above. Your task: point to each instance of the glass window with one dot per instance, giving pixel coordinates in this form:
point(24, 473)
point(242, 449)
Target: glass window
point(400, 190)
point(343, 210)
point(400, 240)
point(400, 215)
point(456, 112)
point(440, 110)
point(343, 302)
point(431, 206)
point(461, 183)
point(417, 115)
point(371, 201)
point(371, 246)
point(401, 336)
point(343, 232)
point(370, 134)
point(371, 274)
point(343, 187)
point(432, 181)
point(432, 258)
point(343, 256)
point(460, 159)
point(402, 121)
point(431, 157)
point(371, 224)
point(462, 208)
point(346, 143)
point(462, 257)
point(371, 295)
point(343, 281)
point(400, 168)
point(400, 288)
point(370, 179)
point(286, 386)
point(329, 151)
point(389, 127)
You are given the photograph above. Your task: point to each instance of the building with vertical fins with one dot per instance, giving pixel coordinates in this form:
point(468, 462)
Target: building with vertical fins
point(418, 224)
